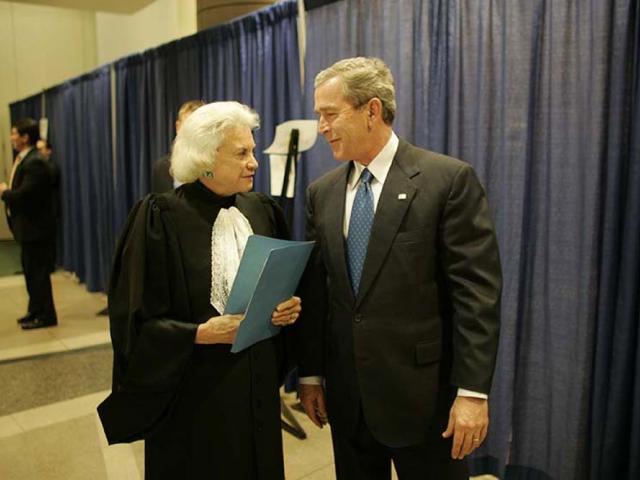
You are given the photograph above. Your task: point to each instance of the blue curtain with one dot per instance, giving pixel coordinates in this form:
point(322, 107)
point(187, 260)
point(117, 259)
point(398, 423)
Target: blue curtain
point(30, 107)
point(55, 113)
point(253, 60)
point(79, 114)
point(150, 87)
point(80, 129)
point(535, 95)
point(133, 135)
point(615, 429)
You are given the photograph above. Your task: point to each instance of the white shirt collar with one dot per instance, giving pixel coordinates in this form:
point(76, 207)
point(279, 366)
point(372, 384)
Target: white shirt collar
point(379, 166)
point(23, 153)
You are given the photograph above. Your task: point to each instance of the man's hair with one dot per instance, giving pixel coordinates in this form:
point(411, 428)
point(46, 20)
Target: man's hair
point(28, 126)
point(189, 107)
point(195, 146)
point(364, 78)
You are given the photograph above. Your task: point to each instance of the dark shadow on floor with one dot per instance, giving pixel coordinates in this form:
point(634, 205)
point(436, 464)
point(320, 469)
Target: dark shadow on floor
point(9, 258)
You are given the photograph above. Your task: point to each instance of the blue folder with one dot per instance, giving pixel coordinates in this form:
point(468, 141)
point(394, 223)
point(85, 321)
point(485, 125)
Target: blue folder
point(269, 273)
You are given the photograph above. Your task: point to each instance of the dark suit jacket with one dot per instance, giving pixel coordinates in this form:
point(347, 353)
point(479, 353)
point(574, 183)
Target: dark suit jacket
point(161, 180)
point(30, 200)
point(427, 315)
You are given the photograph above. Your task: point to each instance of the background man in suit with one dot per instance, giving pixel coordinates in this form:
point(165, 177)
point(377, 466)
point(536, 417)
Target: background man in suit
point(402, 292)
point(46, 150)
point(161, 179)
point(30, 214)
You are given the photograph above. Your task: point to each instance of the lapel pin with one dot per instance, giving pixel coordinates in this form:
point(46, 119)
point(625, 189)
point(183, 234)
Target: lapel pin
point(402, 196)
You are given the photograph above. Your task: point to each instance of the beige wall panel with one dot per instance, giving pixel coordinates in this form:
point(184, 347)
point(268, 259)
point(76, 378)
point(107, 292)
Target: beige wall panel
point(118, 6)
point(39, 47)
point(158, 23)
point(52, 46)
point(7, 92)
point(215, 12)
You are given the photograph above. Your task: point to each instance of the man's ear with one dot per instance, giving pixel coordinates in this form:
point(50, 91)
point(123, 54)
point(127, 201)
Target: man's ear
point(375, 107)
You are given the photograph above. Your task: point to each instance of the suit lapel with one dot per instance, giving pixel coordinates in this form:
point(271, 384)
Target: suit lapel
point(17, 175)
point(396, 197)
point(334, 236)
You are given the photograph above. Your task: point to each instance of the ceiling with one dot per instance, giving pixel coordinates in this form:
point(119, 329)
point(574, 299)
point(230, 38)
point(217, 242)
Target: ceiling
point(112, 6)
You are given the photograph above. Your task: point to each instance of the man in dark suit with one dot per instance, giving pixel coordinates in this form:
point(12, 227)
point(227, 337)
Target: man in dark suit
point(46, 150)
point(402, 293)
point(161, 179)
point(30, 213)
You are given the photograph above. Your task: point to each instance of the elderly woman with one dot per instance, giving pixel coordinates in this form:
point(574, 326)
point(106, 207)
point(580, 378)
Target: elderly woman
point(203, 411)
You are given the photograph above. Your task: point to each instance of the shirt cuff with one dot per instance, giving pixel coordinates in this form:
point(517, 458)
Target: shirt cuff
point(469, 393)
point(310, 380)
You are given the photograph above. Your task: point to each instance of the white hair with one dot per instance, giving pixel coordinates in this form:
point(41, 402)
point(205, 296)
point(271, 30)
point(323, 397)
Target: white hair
point(202, 133)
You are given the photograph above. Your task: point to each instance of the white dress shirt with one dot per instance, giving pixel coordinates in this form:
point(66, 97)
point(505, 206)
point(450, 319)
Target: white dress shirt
point(19, 158)
point(379, 168)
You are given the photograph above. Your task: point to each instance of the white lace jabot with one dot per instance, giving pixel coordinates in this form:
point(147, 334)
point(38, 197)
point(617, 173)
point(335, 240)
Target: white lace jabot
point(228, 239)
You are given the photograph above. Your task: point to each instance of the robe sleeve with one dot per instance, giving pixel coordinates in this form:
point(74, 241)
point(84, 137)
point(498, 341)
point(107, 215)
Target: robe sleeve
point(151, 333)
point(280, 228)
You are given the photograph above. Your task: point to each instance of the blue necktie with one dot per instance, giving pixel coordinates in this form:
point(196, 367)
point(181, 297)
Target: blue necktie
point(359, 229)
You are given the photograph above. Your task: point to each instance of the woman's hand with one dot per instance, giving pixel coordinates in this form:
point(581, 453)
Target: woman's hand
point(220, 329)
point(287, 312)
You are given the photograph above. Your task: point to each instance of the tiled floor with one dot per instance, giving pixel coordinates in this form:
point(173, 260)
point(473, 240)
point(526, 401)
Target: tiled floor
point(51, 381)
point(79, 326)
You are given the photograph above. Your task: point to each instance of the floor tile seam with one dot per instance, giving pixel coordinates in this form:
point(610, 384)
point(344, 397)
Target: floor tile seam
point(308, 475)
point(102, 337)
point(11, 281)
point(10, 420)
point(32, 419)
point(53, 348)
point(14, 354)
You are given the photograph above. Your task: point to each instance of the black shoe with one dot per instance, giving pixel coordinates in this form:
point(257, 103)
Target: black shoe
point(39, 322)
point(27, 318)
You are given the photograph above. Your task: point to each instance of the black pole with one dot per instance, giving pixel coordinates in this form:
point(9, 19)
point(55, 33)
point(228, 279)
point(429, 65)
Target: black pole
point(292, 155)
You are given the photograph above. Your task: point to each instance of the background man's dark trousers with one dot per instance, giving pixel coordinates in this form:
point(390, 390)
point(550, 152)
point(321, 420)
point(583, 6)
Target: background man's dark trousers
point(37, 264)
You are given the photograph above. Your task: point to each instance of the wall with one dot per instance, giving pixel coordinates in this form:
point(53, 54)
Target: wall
point(158, 23)
point(215, 12)
point(39, 47)
point(43, 46)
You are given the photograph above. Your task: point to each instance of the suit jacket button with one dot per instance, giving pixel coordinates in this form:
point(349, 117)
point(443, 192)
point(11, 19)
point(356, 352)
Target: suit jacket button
point(358, 318)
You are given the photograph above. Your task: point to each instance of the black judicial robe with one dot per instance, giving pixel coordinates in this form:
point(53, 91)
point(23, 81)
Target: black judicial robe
point(203, 411)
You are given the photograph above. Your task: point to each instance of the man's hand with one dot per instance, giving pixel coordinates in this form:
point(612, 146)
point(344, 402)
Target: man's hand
point(468, 423)
point(287, 312)
point(3, 187)
point(312, 399)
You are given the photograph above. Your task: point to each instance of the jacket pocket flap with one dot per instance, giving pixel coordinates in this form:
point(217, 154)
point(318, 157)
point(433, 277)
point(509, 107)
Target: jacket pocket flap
point(428, 353)
point(410, 236)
